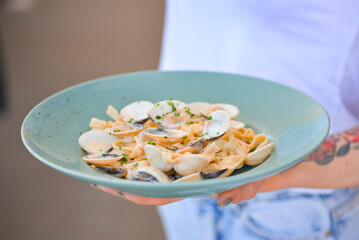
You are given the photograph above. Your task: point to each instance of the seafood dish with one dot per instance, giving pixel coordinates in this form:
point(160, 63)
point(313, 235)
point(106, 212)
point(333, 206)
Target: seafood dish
point(171, 141)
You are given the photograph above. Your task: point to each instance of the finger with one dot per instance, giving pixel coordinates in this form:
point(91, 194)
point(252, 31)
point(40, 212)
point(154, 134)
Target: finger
point(141, 200)
point(241, 193)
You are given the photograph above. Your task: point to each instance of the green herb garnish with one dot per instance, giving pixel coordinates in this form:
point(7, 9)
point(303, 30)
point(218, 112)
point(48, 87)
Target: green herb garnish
point(184, 137)
point(220, 159)
point(120, 147)
point(130, 120)
point(158, 117)
point(191, 122)
point(125, 154)
point(116, 130)
point(188, 111)
point(152, 143)
point(209, 118)
point(136, 165)
point(177, 114)
point(217, 133)
point(165, 137)
point(124, 159)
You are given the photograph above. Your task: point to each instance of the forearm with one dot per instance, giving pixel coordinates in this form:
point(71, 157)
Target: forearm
point(335, 164)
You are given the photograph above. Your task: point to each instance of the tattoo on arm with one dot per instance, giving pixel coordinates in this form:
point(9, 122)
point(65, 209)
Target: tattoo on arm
point(337, 145)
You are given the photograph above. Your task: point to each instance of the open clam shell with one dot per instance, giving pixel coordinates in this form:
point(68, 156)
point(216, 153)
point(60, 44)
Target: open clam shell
point(154, 156)
point(136, 112)
point(113, 171)
point(165, 135)
point(216, 125)
point(96, 141)
point(197, 107)
point(102, 159)
point(190, 164)
point(124, 129)
point(232, 110)
point(259, 155)
point(149, 174)
point(169, 113)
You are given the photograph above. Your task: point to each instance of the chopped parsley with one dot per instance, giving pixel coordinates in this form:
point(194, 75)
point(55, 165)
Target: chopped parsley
point(125, 154)
point(124, 159)
point(184, 137)
point(152, 143)
point(159, 123)
point(116, 130)
point(173, 106)
point(109, 133)
point(136, 165)
point(217, 133)
point(188, 111)
point(177, 114)
point(191, 122)
point(158, 117)
point(204, 134)
point(103, 155)
point(120, 147)
point(165, 137)
point(130, 120)
point(220, 159)
point(209, 118)
point(100, 150)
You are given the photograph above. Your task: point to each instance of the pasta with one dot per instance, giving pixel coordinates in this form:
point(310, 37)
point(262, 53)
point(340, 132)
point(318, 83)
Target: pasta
point(171, 141)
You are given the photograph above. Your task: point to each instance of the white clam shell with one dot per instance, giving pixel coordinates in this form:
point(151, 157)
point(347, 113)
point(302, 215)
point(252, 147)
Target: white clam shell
point(169, 113)
point(190, 164)
point(154, 156)
point(217, 126)
point(165, 135)
point(102, 159)
point(236, 124)
point(136, 112)
point(96, 141)
point(259, 155)
point(160, 176)
point(197, 107)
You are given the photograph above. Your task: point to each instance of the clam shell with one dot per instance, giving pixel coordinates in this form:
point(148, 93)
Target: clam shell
point(190, 164)
point(169, 113)
point(154, 156)
point(259, 155)
point(165, 135)
point(217, 126)
point(136, 112)
point(96, 141)
point(149, 174)
point(124, 129)
point(197, 107)
point(102, 159)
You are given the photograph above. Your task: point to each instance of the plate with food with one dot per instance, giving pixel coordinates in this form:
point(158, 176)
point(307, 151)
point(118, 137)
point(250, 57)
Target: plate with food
point(174, 134)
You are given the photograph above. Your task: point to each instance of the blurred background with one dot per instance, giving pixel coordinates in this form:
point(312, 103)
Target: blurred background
point(46, 46)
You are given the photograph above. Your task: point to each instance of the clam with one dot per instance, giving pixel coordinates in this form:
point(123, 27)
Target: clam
point(216, 126)
point(113, 171)
point(190, 164)
point(136, 112)
point(154, 156)
point(259, 155)
point(230, 109)
point(197, 107)
point(165, 135)
point(96, 141)
point(149, 174)
point(124, 129)
point(169, 114)
point(102, 159)
point(198, 176)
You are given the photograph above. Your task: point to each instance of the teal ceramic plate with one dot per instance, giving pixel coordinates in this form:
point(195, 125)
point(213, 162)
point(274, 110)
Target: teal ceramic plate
point(296, 123)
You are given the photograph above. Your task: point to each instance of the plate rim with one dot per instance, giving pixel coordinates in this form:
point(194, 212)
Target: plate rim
point(155, 187)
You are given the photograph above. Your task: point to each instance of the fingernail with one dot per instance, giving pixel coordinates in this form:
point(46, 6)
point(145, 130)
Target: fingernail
point(120, 194)
point(226, 202)
point(94, 186)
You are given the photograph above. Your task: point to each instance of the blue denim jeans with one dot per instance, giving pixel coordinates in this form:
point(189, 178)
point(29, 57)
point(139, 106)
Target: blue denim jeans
point(281, 215)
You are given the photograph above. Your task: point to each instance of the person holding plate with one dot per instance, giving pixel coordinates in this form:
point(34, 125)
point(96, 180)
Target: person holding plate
point(308, 45)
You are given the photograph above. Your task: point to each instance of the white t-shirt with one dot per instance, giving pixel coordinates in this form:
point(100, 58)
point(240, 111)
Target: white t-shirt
point(312, 46)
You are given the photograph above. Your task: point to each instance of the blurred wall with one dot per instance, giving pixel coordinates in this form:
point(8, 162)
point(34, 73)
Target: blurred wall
point(50, 46)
